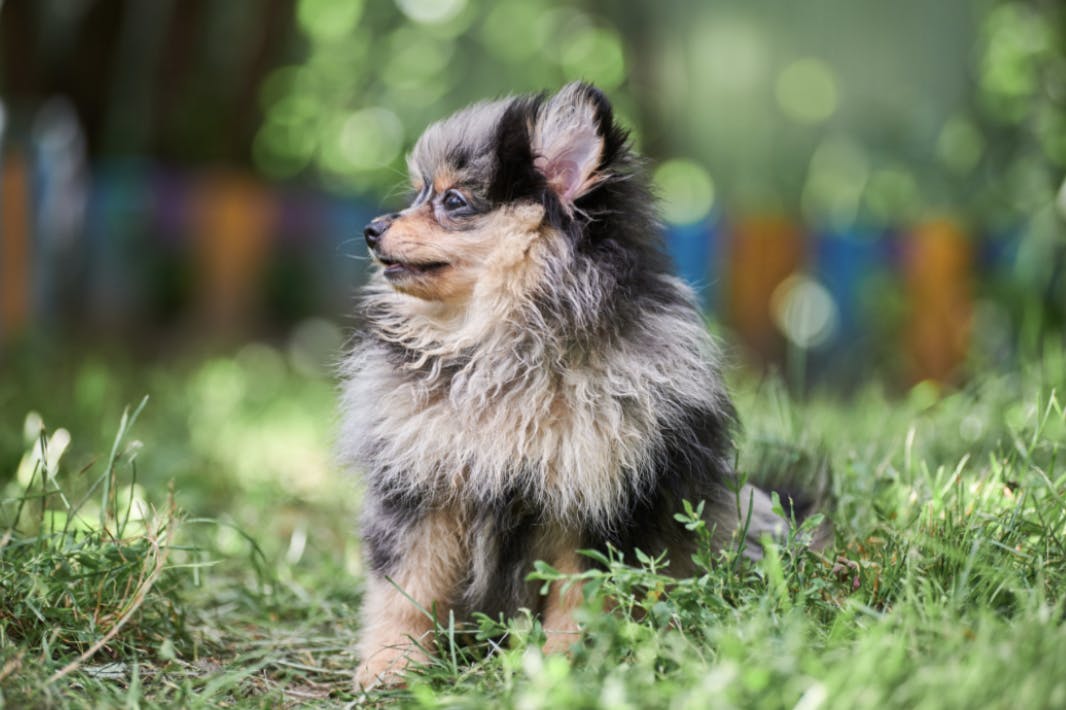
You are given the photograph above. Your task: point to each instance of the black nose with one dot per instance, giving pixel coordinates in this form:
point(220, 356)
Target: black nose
point(373, 231)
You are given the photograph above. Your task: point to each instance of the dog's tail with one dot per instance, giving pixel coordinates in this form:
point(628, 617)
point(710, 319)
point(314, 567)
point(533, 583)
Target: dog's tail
point(802, 481)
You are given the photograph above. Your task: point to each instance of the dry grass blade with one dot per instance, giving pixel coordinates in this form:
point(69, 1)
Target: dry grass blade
point(161, 552)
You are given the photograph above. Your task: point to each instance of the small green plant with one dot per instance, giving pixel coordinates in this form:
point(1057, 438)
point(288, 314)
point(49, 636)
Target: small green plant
point(83, 581)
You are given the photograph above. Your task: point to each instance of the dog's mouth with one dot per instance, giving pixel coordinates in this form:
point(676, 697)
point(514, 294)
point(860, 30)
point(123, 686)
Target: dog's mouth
point(396, 268)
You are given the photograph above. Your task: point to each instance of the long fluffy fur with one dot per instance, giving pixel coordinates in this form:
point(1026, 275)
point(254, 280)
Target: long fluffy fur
point(573, 398)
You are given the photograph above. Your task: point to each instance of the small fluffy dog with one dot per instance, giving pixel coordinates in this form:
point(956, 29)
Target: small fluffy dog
point(533, 380)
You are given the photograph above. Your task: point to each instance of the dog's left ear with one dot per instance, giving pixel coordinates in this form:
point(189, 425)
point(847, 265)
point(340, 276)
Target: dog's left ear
point(569, 140)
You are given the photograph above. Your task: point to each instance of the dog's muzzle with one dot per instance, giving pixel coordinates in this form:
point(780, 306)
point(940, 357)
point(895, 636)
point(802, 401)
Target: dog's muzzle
point(377, 227)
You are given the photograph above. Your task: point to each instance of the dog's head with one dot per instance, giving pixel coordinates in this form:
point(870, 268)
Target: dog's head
point(491, 182)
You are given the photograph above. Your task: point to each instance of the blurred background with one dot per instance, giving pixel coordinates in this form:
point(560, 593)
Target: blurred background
point(869, 197)
point(860, 191)
point(848, 185)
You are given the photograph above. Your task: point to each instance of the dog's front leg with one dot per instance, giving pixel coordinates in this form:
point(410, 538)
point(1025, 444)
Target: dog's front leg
point(397, 626)
point(560, 626)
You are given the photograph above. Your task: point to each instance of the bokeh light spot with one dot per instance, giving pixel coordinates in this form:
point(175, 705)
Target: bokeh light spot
point(498, 33)
point(959, 145)
point(804, 311)
point(370, 138)
point(285, 142)
point(265, 365)
point(1015, 40)
point(278, 84)
point(971, 428)
point(892, 195)
point(835, 183)
point(554, 28)
point(686, 190)
point(730, 56)
point(807, 91)
point(328, 19)
point(416, 59)
point(595, 54)
point(313, 347)
point(431, 12)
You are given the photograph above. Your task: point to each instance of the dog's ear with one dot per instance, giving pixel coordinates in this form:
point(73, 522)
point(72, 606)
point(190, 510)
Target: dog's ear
point(570, 140)
point(515, 175)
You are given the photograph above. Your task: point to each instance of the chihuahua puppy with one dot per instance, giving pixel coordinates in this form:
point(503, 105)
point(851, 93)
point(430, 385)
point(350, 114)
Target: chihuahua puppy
point(533, 380)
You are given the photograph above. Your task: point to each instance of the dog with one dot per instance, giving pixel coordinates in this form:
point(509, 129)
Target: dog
point(532, 381)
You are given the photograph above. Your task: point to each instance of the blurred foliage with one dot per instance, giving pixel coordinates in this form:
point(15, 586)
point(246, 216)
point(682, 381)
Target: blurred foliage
point(1010, 160)
point(714, 87)
point(235, 432)
point(837, 111)
point(1021, 104)
point(375, 74)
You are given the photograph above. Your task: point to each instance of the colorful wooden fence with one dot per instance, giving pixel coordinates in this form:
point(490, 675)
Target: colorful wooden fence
point(908, 290)
point(228, 252)
point(205, 245)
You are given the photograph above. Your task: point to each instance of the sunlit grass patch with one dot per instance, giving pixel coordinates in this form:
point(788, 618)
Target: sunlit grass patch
point(107, 599)
point(239, 586)
point(86, 580)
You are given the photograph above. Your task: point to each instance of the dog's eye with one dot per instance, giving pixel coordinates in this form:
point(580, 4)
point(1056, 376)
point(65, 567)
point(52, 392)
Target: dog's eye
point(453, 201)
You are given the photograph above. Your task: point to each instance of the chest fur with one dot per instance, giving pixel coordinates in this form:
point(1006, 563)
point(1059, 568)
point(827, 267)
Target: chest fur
point(572, 438)
point(571, 442)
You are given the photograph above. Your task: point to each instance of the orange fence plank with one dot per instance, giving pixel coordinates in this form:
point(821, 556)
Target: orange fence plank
point(15, 251)
point(761, 253)
point(232, 239)
point(939, 279)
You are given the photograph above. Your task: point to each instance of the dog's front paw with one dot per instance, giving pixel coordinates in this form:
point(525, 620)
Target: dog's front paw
point(385, 669)
point(561, 641)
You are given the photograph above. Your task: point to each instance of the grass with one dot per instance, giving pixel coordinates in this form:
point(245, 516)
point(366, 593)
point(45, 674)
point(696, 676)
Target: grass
point(197, 551)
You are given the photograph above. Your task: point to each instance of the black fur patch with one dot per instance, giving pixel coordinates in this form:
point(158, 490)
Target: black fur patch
point(459, 156)
point(515, 176)
point(695, 465)
point(388, 517)
point(512, 528)
point(387, 521)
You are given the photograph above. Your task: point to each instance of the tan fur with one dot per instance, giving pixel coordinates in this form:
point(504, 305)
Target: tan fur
point(558, 618)
point(444, 179)
point(396, 628)
point(495, 252)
